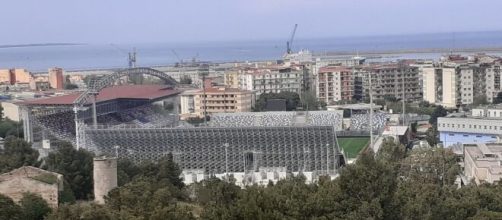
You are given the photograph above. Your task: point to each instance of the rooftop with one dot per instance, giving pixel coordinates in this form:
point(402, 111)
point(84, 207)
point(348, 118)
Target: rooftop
point(486, 155)
point(329, 69)
point(149, 92)
point(395, 130)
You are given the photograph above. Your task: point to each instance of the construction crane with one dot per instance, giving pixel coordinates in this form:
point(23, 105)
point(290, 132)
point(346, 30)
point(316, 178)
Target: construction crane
point(132, 59)
point(289, 44)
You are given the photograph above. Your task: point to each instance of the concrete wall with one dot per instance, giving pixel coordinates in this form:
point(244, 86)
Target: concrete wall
point(105, 177)
point(429, 84)
point(11, 111)
point(451, 138)
point(449, 88)
point(22, 180)
point(470, 125)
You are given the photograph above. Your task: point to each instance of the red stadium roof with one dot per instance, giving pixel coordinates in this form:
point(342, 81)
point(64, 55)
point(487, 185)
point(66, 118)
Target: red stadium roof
point(149, 92)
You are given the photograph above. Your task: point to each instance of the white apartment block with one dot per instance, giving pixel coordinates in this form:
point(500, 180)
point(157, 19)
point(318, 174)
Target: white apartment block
point(493, 81)
point(274, 80)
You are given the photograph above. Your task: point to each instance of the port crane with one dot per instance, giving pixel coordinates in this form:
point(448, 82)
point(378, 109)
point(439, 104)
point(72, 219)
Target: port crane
point(289, 43)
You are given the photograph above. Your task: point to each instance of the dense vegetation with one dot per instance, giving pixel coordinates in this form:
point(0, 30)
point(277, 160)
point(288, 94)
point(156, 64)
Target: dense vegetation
point(307, 101)
point(393, 184)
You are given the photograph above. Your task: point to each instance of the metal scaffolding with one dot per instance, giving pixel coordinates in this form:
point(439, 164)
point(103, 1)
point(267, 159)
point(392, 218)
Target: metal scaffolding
point(221, 150)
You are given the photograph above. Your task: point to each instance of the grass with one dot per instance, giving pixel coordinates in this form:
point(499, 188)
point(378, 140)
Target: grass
point(352, 146)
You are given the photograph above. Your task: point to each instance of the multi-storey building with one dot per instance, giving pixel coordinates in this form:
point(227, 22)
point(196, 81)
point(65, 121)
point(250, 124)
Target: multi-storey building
point(232, 79)
point(493, 81)
point(275, 79)
point(453, 84)
point(335, 83)
point(218, 100)
point(15, 76)
point(387, 81)
point(56, 79)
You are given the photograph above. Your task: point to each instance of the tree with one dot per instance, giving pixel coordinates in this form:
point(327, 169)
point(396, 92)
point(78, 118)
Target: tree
point(439, 111)
point(367, 188)
point(144, 197)
point(75, 166)
point(186, 80)
point(498, 99)
point(34, 207)
point(310, 101)
point(432, 136)
point(17, 153)
point(217, 192)
point(292, 100)
point(480, 100)
point(70, 86)
point(9, 209)
point(86, 211)
point(126, 171)
point(10, 128)
point(164, 170)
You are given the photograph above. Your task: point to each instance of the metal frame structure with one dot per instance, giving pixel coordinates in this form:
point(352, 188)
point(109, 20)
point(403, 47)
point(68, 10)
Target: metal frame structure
point(84, 107)
point(226, 149)
point(95, 87)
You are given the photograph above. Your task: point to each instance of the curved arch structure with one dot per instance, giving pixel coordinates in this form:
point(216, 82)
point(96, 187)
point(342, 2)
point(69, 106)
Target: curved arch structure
point(108, 80)
point(90, 94)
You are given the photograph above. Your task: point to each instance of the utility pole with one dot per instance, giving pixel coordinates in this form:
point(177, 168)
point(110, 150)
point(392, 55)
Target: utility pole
point(371, 111)
point(203, 73)
point(403, 71)
point(226, 160)
point(117, 151)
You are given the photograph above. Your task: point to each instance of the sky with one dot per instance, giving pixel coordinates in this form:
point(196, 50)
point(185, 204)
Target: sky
point(150, 21)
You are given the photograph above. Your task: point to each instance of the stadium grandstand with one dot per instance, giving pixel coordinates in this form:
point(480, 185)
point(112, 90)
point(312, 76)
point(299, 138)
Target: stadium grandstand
point(140, 122)
point(54, 118)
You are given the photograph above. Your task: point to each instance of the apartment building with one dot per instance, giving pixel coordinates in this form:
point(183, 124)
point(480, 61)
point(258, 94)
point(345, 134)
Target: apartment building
point(337, 83)
point(456, 80)
point(275, 79)
point(452, 84)
point(14, 76)
point(56, 78)
point(231, 79)
point(218, 100)
point(493, 81)
point(387, 81)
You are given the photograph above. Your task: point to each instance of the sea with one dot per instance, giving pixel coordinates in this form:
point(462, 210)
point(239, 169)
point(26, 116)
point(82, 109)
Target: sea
point(103, 56)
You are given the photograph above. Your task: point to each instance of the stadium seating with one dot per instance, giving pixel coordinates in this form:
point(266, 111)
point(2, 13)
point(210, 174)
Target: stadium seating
point(361, 121)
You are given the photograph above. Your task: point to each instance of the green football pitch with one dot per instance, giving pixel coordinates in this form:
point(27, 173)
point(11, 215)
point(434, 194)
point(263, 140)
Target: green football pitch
point(352, 146)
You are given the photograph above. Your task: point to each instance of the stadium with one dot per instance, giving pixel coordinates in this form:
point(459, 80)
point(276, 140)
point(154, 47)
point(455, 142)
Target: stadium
point(140, 122)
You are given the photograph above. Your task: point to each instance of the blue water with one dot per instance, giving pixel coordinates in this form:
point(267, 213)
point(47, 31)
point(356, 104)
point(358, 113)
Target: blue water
point(91, 56)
